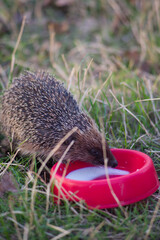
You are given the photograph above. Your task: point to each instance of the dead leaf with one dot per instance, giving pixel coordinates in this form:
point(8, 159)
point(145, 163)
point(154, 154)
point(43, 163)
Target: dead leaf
point(59, 27)
point(132, 55)
point(8, 183)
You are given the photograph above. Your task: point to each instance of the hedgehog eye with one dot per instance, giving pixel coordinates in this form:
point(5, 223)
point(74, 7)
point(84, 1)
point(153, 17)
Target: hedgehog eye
point(95, 152)
point(69, 140)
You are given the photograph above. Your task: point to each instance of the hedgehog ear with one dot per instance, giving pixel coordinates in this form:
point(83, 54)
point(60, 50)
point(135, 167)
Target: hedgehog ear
point(70, 139)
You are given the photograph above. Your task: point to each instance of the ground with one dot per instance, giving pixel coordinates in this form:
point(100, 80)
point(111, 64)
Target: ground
point(107, 54)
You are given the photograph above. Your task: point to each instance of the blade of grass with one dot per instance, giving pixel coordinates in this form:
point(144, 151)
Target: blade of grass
point(16, 46)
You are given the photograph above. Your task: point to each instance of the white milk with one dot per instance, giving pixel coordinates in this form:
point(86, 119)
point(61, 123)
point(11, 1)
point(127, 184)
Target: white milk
point(90, 173)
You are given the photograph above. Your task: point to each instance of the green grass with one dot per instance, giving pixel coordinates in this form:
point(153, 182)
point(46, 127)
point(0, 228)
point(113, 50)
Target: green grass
point(112, 68)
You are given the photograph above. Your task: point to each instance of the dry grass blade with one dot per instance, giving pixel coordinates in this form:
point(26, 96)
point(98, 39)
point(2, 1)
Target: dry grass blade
point(17, 44)
point(152, 220)
point(137, 140)
point(106, 171)
point(31, 178)
point(85, 74)
point(60, 71)
point(38, 191)
point(53, 175)
point(65, 63)
point(51, 43)
point(124, 120)
point(97, 229)
point(10, 162)
point(157, 8)
point(64, 173)
point(148, 99)
point(62, 234)
point(15, 220)
point(52, 53)
point(26, 232)
point(83, 97)
point(57, 147)
point(71, 78)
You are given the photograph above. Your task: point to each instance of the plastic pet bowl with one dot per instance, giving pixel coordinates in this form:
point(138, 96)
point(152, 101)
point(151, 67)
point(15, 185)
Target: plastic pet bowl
point(140, 183)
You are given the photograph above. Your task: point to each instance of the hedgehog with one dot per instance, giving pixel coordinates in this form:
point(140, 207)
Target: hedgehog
point(37, 112)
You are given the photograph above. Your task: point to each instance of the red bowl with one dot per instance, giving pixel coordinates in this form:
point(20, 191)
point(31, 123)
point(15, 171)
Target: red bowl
point(141, 182)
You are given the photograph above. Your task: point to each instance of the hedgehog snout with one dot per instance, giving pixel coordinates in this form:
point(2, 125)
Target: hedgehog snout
point(112, 162)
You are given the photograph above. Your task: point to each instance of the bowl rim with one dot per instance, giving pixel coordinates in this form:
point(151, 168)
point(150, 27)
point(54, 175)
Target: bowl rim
point(148, 162)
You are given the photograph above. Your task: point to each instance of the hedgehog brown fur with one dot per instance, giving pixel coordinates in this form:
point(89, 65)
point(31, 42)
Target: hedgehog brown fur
point(38, 112)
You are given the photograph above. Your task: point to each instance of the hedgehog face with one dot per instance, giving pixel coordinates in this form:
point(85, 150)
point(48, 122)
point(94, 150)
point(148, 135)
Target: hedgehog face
point(97, 158)
point(87, 147)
